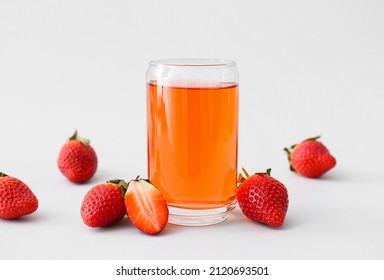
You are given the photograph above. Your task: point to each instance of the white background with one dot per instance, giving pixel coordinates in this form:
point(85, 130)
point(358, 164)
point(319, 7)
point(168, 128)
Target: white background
point(306, 68)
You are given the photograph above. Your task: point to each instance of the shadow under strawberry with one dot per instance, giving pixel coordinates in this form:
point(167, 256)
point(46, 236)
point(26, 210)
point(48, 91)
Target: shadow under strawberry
point(122, 225)
point(35, 218)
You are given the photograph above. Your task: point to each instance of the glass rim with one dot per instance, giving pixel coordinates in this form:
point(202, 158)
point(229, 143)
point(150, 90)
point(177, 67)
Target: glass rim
point(193, 62)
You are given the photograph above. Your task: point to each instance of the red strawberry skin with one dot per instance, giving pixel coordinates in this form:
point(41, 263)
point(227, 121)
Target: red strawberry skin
point(16, 198)
point(311, 159)
point(77, 161)
point(263, 199)
point(103, 205)
point(146, 207)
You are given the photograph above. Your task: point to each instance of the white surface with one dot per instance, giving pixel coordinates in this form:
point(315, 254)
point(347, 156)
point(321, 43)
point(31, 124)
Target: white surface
point(305, 69)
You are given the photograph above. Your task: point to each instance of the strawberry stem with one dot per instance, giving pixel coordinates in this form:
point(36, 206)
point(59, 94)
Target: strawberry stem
point(75, 136)
point(3, 174)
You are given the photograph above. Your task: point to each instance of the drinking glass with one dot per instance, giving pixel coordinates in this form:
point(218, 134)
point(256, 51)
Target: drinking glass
point(192, 130)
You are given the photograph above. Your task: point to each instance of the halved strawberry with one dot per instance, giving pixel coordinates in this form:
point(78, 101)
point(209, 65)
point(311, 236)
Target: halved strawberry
point(145, 206)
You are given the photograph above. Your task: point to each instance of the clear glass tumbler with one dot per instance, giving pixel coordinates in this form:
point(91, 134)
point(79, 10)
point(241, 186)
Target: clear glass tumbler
point(192, 125)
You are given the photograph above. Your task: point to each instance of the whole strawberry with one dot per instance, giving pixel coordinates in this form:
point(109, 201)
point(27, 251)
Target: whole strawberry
point(310, 158)
point(104, 204)
point(77, 159)
point(262, 198)
point(16, 198)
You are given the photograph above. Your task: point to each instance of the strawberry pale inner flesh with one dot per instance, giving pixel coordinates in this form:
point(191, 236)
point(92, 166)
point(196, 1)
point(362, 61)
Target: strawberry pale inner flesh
point(146, 207)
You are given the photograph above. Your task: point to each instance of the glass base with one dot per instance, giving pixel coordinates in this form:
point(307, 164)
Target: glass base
point(203, 217)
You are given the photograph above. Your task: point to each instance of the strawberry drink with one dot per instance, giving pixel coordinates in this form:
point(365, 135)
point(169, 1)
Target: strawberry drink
point(192, 142)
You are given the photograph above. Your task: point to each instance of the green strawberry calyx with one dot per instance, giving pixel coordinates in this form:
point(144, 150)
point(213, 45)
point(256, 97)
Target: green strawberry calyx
point(75, 136)
point(3, 174)
point(290, 149)
point(123, 186)
point(242, 177)
point(313, 138)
